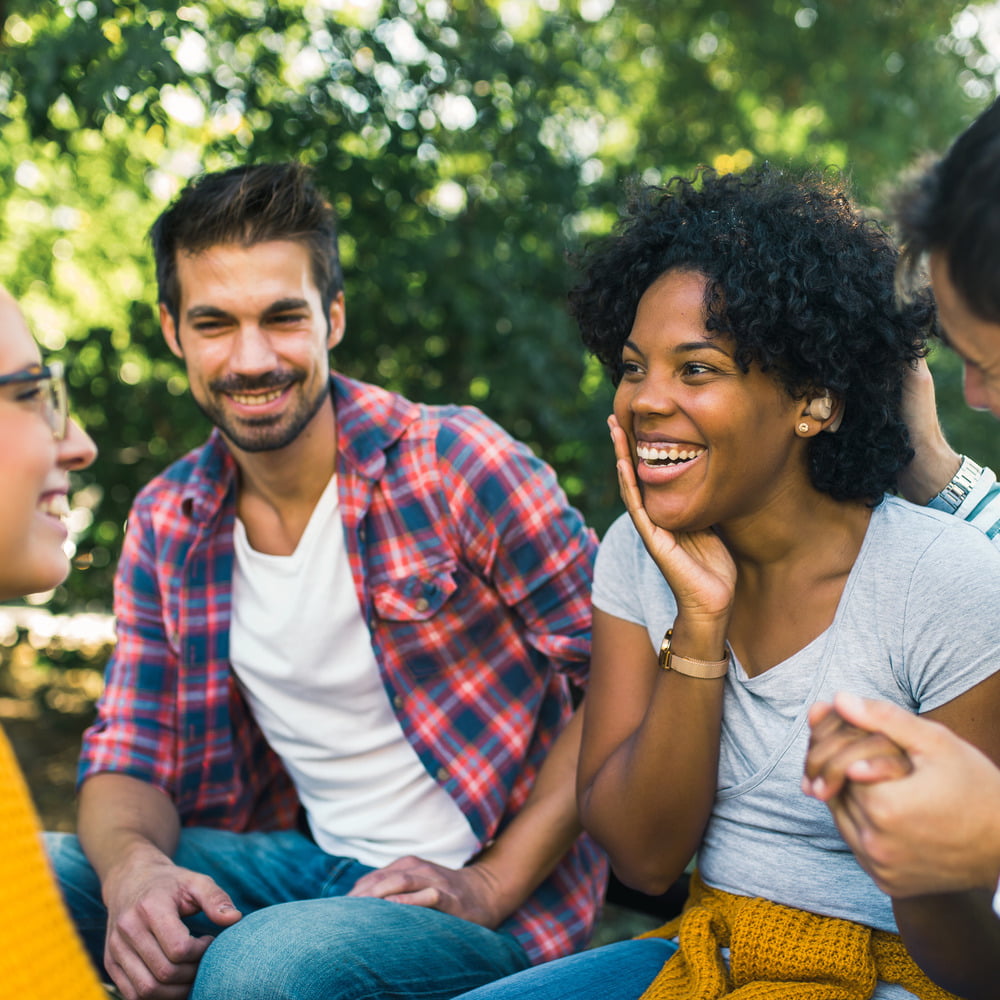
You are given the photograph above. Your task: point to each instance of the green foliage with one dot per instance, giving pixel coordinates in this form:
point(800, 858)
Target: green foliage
point(467, 144)
point(807, 83)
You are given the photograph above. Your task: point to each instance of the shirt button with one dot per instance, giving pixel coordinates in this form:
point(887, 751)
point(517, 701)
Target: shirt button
point(397, 701)
point(422, 604)
point(442, 775)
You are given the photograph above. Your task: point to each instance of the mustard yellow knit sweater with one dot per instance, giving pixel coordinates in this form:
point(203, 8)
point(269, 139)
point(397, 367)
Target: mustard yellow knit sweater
point(778, 953)
point(41, 957)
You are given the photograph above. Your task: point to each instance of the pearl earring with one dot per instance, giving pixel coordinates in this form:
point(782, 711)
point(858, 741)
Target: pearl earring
point(803, 428)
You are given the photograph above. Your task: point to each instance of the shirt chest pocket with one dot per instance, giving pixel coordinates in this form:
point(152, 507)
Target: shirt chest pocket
point(414, 622)
point(415, 598)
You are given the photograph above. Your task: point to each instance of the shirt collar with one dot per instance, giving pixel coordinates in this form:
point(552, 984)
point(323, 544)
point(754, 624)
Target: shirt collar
point(369, 421)
point(211, 480)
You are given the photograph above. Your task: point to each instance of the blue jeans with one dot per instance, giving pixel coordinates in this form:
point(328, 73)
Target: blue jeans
point(300, 938)
point(619, 971)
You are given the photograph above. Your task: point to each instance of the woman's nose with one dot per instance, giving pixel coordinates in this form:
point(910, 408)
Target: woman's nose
point(76, 450)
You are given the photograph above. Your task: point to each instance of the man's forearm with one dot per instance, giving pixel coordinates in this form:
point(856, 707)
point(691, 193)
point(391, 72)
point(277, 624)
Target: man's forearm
point(934, 462)
point(121, 818)
point(930, 471)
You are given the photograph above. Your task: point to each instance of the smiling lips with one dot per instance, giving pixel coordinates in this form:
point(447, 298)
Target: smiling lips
point(54, 504)
point(255, 399)
point(665, 454)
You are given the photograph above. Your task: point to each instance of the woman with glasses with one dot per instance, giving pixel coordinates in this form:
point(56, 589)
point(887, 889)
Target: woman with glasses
point(39, 447)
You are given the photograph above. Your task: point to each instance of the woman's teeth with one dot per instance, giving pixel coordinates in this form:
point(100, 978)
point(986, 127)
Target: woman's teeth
point(649, 453)
point(56, 505)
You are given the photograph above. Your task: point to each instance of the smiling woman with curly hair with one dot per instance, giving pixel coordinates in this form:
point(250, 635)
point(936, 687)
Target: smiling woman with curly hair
point(801, 283)
point(750, 327)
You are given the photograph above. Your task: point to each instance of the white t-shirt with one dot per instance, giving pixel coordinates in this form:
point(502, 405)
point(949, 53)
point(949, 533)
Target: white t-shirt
point(916, 625)
point(303, 655)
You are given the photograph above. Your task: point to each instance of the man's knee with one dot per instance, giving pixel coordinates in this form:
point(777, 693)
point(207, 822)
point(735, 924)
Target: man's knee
point(343, 948)
point(284, 952)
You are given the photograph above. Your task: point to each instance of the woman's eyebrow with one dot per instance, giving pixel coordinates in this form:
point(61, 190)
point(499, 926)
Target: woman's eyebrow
point(687, 347)
point(699, 345)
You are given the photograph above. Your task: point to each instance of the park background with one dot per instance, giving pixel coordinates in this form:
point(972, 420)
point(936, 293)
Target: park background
point(469, 147)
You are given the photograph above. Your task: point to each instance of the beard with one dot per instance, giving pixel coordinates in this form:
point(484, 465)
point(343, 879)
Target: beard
point(265, 433)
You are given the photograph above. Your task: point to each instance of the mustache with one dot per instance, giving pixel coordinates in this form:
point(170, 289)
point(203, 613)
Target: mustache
point(275, 379)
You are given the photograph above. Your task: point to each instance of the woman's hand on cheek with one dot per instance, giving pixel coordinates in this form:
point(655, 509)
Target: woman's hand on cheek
point(697, 565)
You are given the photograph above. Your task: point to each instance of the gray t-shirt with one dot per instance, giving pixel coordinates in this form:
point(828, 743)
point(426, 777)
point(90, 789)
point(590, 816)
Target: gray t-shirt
point(917, 625)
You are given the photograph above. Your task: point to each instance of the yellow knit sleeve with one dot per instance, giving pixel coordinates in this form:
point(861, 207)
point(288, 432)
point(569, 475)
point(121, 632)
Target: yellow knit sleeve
point(42, 957)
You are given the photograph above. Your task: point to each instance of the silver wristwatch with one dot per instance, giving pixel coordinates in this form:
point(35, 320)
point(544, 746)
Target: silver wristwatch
point(954, 494)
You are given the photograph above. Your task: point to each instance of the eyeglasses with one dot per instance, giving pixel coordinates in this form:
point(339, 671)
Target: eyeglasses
point(47, 391)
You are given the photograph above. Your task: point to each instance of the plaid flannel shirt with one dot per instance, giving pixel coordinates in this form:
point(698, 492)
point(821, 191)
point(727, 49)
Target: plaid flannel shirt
point(474, 575)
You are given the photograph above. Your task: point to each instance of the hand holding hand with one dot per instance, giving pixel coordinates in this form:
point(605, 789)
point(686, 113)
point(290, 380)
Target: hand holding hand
point(840, 753)
point(937, 828)
point(149, 952)
point(471, 893)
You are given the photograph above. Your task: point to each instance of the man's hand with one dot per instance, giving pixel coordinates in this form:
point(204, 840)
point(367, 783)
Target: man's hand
point(149, 952)
point(471, 893)
point(934, 830)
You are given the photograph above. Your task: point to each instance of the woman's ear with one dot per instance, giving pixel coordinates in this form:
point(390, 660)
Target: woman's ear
point(827, 409)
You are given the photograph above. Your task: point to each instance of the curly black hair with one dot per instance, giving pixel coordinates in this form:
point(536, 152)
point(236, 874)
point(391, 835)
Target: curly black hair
point(798, 279)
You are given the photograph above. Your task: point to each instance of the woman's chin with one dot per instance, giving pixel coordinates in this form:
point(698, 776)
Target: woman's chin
point(676, 520)
point(42, 579)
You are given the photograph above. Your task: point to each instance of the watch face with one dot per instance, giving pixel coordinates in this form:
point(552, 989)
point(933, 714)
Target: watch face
point(664, 657)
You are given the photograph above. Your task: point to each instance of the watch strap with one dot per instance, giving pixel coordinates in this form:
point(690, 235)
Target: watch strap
point(952, 496)
point(703, 669)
